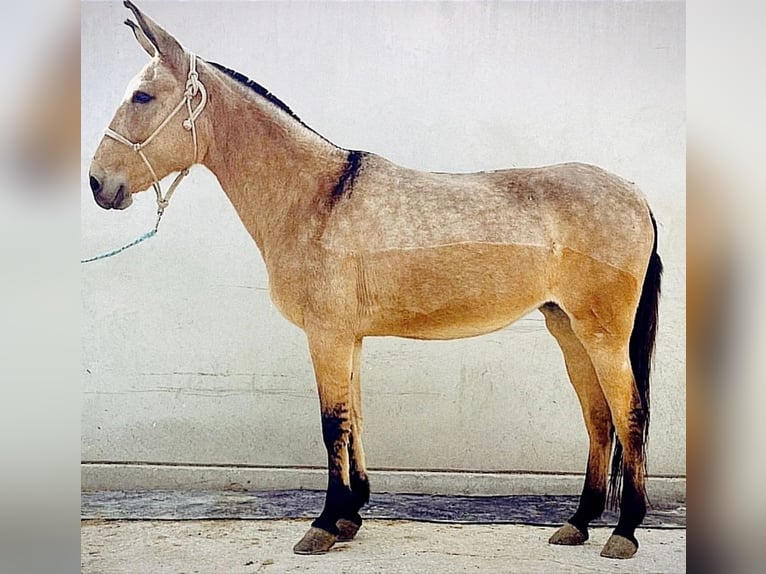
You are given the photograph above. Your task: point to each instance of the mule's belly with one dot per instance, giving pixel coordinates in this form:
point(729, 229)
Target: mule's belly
point(450, 291)
point(448, 325)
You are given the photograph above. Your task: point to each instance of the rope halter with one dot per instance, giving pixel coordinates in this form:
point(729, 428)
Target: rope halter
point(193, 87)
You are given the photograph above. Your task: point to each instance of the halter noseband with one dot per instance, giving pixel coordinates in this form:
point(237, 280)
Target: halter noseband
point(193, 87)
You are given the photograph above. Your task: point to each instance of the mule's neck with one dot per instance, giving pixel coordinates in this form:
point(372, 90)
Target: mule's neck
point(275, 170)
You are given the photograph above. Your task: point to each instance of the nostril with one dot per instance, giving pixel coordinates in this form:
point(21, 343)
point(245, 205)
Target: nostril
point(95, 185)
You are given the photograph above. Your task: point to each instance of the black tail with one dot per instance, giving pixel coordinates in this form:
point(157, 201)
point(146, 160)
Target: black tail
point(641, 353)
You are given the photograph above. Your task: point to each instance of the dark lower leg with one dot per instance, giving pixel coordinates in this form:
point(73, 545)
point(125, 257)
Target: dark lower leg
point(337, 505)
point(339, 499)
point(592, 503)
point(593, 497)
point(351, 521)
point(360, 485)
point(633, 501)
point(623, 543)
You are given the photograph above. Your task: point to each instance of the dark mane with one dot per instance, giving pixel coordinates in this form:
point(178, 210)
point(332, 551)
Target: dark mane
point(256, 87)
point(261, 91)
point(347, 177)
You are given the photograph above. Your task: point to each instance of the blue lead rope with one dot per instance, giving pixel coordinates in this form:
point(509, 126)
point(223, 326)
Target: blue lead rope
point(144, 237)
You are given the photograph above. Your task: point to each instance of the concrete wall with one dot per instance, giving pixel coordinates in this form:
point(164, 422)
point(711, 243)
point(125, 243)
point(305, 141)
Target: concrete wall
point(185, 361)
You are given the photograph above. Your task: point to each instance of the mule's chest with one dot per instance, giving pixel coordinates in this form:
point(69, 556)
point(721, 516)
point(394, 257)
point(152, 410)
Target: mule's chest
point(288, 289)
point(312, 285)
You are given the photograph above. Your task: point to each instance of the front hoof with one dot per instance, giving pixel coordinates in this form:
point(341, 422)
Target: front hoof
point(315, 541)
point(347, 530)
point(568, 535)
point(619, 547)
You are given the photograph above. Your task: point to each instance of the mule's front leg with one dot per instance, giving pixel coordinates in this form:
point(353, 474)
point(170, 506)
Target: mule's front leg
point(360, 486)
point(332, 356)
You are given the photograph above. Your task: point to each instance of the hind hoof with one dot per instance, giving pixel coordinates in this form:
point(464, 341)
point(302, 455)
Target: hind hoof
point(315, 541)
point(568, 535)
point(347, 530)
point(619, 547)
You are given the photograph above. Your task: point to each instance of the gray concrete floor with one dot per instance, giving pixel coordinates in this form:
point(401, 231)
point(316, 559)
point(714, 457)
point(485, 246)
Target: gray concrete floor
point(390, 546)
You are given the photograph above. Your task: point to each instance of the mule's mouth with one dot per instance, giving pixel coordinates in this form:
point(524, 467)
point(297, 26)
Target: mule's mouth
point(121, 199)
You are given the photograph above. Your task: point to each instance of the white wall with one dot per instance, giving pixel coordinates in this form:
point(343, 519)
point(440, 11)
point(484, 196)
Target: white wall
point(185, 359)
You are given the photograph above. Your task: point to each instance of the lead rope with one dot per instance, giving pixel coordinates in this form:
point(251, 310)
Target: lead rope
point(193, 87)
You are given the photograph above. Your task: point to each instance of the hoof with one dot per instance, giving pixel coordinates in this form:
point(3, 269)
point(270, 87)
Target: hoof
point(315, 541)
point(619, 547)
point(568, 535)
point(347, 530)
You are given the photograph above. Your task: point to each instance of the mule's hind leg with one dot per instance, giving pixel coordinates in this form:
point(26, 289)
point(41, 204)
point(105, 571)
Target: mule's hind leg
point(349, 525)
point(607, 345)
point(597, 421)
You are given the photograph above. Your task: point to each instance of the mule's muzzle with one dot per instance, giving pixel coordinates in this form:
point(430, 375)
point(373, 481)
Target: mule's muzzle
point(110, 194)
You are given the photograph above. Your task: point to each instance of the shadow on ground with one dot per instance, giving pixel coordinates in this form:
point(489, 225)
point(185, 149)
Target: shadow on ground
point(198, 505)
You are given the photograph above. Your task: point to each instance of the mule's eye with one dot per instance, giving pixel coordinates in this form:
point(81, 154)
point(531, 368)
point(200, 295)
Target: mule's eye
point(140, 97)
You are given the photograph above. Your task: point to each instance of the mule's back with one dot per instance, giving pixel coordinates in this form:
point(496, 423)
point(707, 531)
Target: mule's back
point(568, 206)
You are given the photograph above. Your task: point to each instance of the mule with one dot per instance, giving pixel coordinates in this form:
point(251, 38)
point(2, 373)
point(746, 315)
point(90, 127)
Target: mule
point(356, 246)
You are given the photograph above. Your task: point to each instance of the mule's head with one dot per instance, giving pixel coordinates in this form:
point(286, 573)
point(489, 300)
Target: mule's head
point(118, 170)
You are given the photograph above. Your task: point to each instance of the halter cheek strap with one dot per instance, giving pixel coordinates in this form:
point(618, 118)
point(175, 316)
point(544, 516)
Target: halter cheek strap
point(193, 87)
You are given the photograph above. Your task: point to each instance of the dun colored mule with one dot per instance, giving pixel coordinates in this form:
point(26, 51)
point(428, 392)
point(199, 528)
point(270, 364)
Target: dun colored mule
point(356, 246)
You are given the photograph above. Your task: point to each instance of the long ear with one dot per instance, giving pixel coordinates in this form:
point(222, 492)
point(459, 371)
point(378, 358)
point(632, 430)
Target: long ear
point(150, 48)
point(162, 43)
